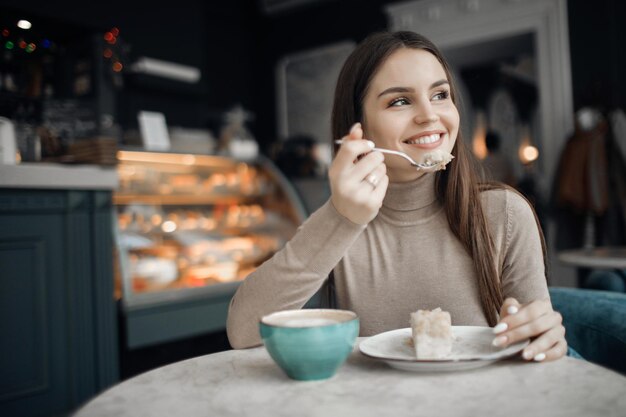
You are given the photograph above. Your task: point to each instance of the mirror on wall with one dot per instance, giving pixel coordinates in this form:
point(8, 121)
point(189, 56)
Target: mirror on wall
point(305, 89)
point(306, 83)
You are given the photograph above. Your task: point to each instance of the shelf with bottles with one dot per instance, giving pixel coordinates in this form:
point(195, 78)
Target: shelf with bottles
point(188, 222)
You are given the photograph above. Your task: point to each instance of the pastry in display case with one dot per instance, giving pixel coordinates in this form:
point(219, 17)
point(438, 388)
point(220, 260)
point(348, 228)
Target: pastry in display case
point(195, 224)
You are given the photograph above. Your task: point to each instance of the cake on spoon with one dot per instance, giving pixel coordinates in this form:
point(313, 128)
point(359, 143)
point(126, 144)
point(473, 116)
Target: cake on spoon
point(437, 160)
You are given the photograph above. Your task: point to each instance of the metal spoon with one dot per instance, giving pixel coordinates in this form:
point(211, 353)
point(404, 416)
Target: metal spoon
point(398, 153)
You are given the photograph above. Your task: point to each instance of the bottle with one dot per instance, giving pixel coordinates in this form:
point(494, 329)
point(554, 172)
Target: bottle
point(235, 138)
point(8, 148)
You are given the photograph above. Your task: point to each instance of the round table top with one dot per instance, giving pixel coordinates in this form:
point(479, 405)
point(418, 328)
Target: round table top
point(601, 257)
point(249, 383)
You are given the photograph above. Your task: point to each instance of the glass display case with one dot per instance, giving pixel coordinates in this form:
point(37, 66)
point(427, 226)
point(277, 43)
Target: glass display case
point(190, 228)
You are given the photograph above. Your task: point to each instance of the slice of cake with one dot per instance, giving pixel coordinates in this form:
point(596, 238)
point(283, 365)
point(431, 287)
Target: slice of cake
point(432, 333)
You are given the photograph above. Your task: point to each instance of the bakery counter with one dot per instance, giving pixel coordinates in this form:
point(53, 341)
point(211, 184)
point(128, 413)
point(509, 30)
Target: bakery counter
point(55, 176)
point(190, 228)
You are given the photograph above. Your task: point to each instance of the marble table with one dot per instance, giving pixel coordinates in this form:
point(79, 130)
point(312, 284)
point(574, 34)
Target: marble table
point(248, 383)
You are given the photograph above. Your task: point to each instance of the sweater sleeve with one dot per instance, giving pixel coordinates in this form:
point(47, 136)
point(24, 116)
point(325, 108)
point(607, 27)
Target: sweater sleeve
point(292, 276)
point(523, 272)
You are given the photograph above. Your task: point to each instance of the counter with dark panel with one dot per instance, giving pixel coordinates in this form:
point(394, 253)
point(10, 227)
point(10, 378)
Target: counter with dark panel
point(58, 343)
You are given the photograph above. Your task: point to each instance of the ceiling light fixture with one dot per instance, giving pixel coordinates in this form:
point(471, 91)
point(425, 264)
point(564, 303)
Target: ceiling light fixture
point(24, 24)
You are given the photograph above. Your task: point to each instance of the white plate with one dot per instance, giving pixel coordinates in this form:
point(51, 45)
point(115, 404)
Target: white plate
point(471, 349)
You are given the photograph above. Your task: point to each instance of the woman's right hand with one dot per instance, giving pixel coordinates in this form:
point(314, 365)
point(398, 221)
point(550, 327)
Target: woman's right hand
point(358, 185)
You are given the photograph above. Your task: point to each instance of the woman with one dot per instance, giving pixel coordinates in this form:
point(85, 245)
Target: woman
point(395, 239)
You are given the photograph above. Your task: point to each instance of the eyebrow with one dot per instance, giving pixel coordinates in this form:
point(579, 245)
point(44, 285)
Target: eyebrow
point(411, 90)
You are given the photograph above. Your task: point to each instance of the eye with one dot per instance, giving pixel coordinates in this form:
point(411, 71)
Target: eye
point(397, 102)
point(442, 95)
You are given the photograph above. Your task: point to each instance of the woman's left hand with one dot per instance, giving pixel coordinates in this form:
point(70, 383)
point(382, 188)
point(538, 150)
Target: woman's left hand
point(536, 321)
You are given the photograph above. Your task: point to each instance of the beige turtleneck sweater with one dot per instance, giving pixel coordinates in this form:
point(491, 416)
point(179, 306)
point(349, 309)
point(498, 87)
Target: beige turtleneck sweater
point(405, 259)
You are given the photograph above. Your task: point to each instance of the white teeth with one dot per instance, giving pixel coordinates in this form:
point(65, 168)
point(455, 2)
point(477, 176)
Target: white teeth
point(424, 139)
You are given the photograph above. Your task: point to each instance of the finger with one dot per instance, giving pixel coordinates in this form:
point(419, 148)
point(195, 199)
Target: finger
point(353, 178)
point(538, 348)
point(509, 306)
point(349, 152)
point(356, 132)
point(557, 351)
point(349, 181)
point(525, 314)
point(528, 330)
point(367, 165)
point(373, 178)
point(381, 189)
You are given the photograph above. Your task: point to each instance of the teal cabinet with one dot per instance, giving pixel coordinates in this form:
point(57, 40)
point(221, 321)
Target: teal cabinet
point(58, 332)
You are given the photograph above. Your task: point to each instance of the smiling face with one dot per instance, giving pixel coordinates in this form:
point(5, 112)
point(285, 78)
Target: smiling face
point(408, 107)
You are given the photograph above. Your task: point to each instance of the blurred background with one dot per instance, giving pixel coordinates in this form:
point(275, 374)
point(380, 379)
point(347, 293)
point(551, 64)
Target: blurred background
point(161, 153)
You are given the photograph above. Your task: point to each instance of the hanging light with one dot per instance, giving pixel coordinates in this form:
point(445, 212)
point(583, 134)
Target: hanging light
point(527, 152)
point(479, 147)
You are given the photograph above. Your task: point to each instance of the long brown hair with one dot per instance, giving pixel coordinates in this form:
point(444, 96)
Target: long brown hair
point(458, 188)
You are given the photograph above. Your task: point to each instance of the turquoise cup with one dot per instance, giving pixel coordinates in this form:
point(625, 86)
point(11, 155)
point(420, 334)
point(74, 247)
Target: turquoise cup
point(310, 344)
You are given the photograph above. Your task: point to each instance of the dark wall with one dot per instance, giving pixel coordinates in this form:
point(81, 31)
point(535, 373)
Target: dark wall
point(189, 33)
point(234, 43)
point(598, 52)
point(237, 47)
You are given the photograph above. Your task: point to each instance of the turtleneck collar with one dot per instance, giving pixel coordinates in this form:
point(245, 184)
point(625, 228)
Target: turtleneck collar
point(411, 202)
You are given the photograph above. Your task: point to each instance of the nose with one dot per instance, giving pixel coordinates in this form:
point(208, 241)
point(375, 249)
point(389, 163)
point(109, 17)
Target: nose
point(425, 113)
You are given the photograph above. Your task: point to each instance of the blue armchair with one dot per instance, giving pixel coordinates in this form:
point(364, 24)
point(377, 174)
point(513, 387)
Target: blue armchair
point(595, 324)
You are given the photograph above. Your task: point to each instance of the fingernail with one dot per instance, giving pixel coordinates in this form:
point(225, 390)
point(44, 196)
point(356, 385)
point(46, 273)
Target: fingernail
point(355, 126)
point(500, 327)
point(528, 354)
point(371, 144)
point(539, 357)
point(512, 309)
point(499, 341)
